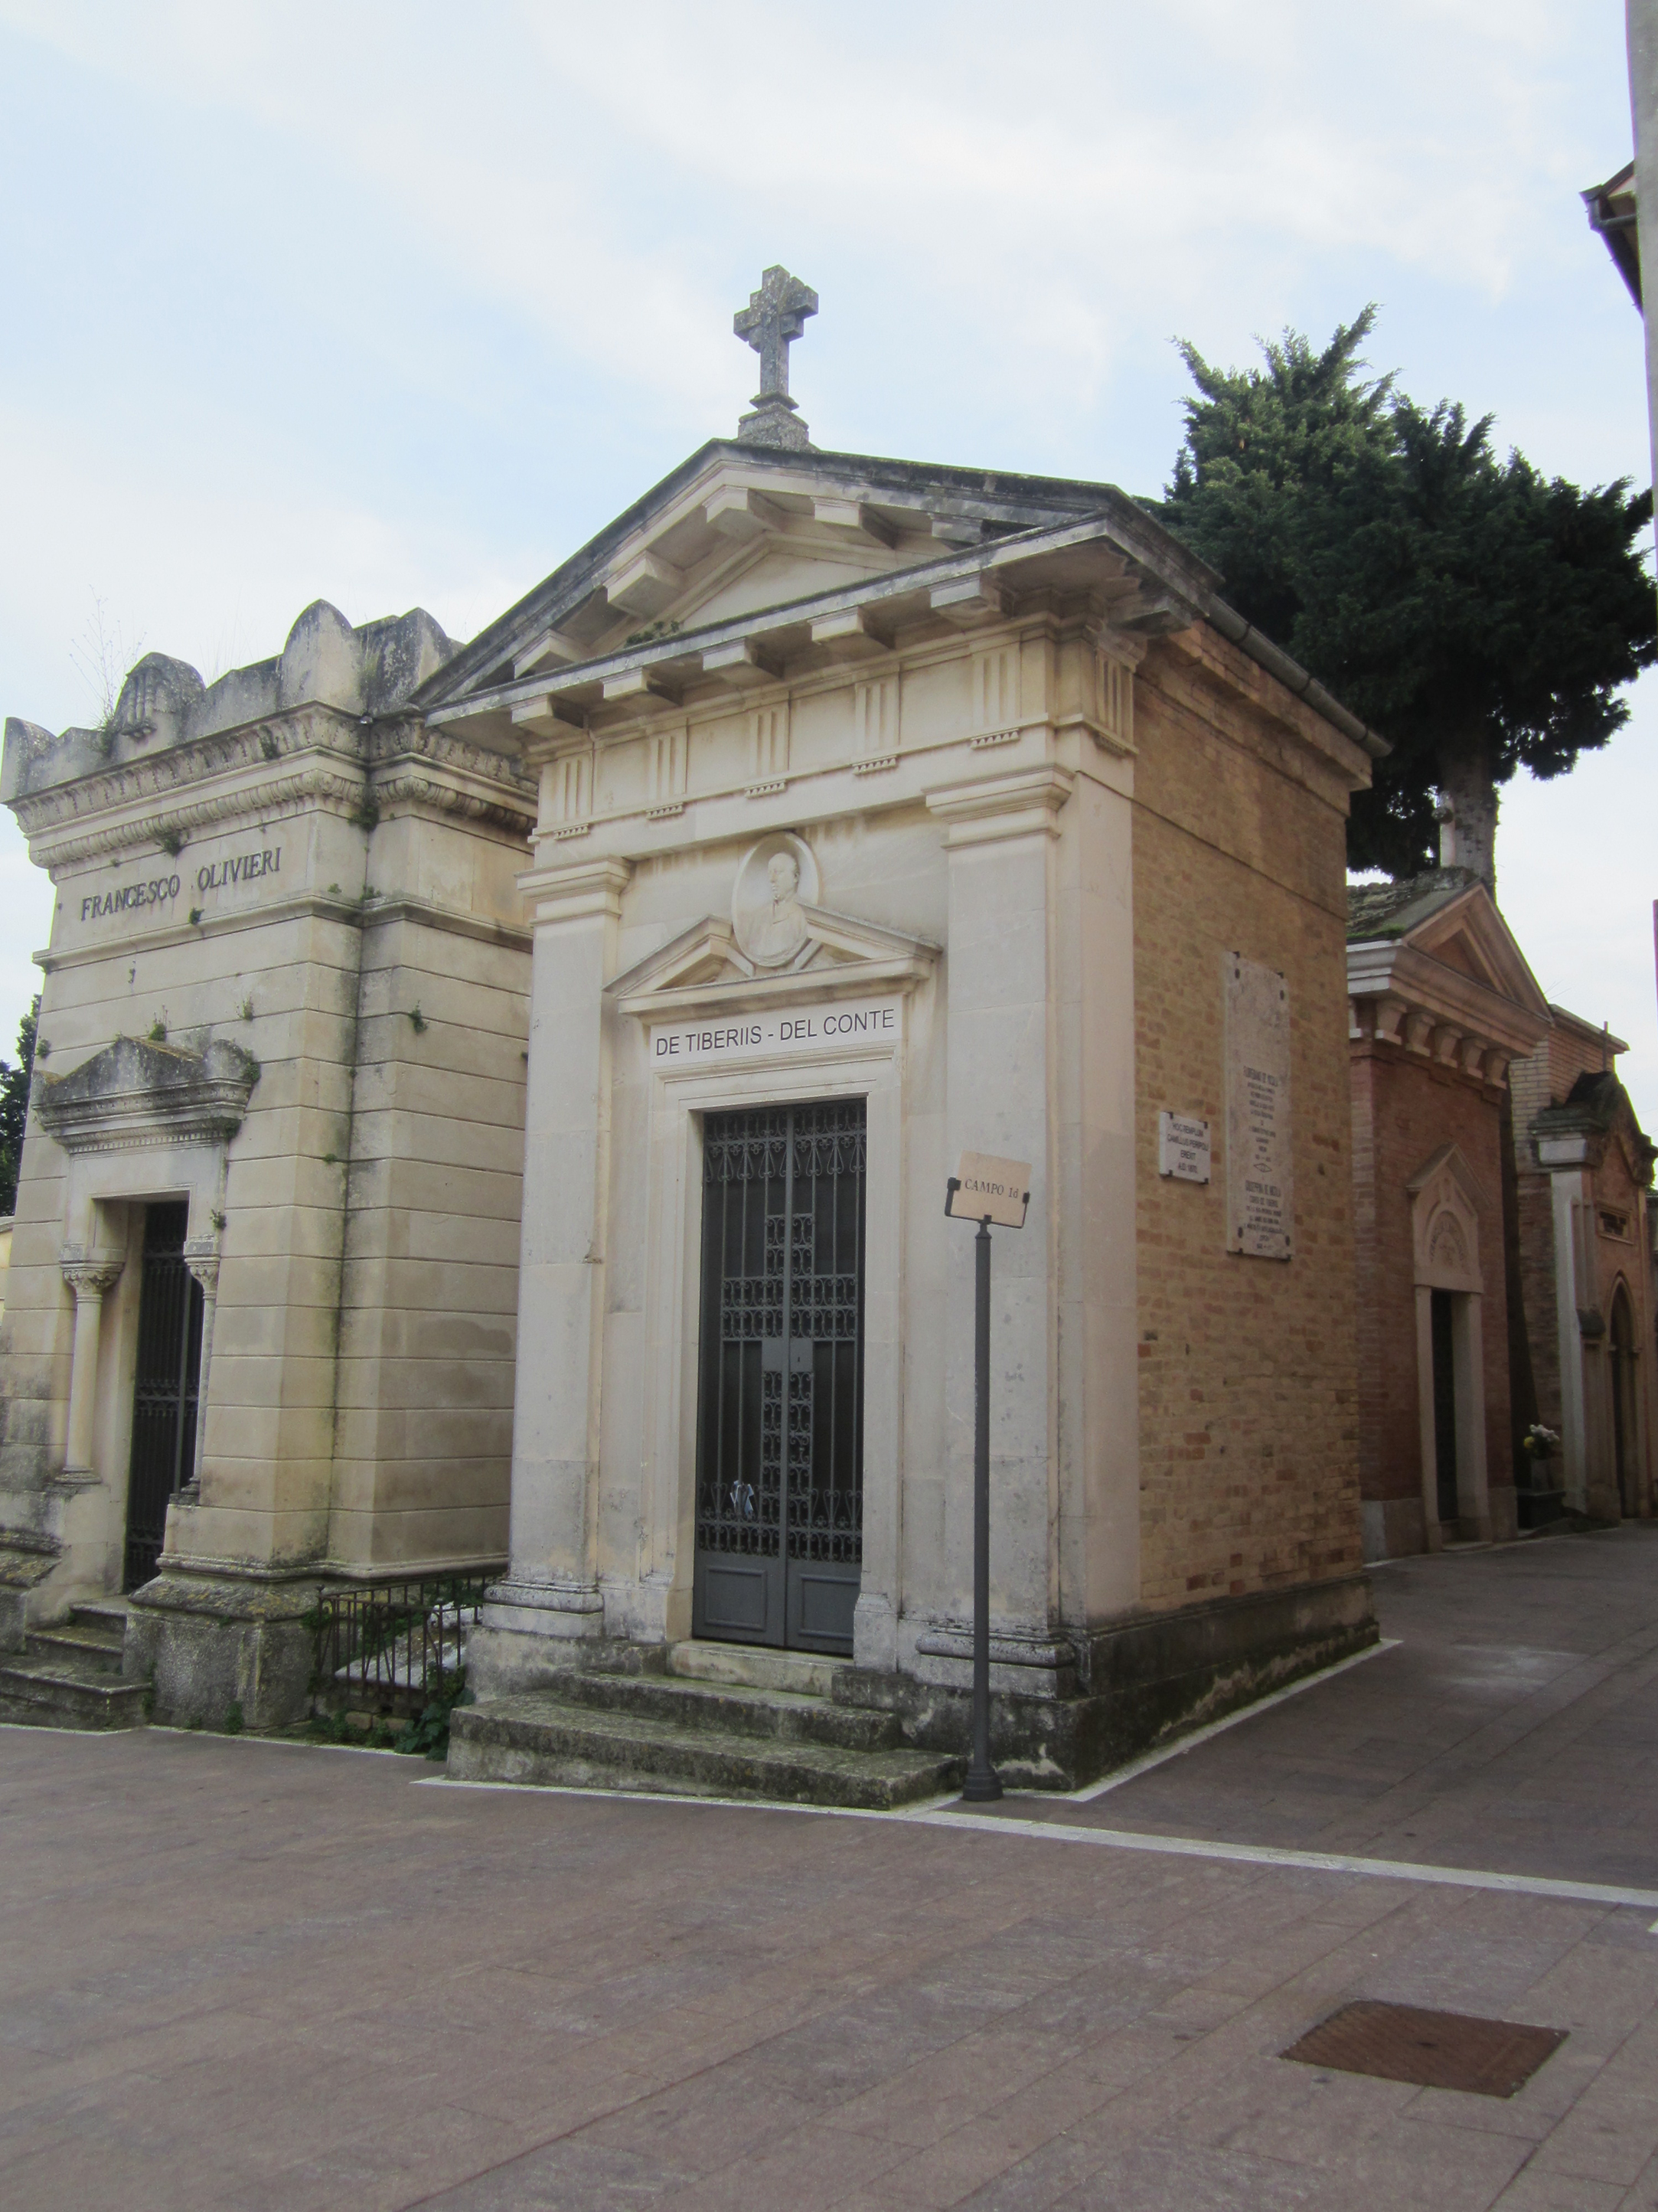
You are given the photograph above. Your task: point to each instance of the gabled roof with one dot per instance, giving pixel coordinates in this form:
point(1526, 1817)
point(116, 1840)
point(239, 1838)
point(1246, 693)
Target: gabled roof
point(1438, 945)
point(747, 555)
point(1393, 909)
point(1595, 1110)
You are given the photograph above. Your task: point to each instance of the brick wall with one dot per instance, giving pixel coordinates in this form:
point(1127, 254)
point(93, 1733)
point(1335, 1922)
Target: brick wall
point(1248, 1471)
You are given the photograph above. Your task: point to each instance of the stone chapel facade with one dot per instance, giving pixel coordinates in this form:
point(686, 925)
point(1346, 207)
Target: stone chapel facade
point(824, 818)
point(259, 1313)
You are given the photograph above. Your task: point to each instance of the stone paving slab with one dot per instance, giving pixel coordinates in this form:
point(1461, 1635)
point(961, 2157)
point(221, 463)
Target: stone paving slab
point(265, 1975)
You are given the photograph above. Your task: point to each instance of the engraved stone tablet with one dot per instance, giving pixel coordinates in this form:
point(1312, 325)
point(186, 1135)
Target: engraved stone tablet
point(1259, 1194)
point(1183, 1147)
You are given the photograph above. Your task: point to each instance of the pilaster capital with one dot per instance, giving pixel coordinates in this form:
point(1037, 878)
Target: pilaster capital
point(87, 1273)
point(202, 1258)
point(577, 892)
point(1021, 805)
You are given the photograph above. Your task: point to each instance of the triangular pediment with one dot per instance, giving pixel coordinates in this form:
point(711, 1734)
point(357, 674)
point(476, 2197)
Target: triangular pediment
point(705, 967)
point(1470, 936)
point(741, 533)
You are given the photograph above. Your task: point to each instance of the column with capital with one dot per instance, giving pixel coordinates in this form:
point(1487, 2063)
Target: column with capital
point(88, 1275)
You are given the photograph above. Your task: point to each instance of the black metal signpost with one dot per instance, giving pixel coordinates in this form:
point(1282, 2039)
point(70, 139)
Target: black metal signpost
point(986, 1190)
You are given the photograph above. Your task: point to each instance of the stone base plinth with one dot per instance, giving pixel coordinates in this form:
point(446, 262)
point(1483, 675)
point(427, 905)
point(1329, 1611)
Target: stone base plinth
point(207, 1641)
point(1138, 1684)
point(1395, 1528)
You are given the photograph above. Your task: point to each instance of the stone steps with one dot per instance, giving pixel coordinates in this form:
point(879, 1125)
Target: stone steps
point(56, 1694)
point(755, 1666)
point(551, 1736)
point(69, 1675)
point(73, 1642)
point(732, 1708)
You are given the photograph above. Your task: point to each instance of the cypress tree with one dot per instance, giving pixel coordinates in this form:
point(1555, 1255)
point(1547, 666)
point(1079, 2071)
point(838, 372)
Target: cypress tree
point(1482, 617)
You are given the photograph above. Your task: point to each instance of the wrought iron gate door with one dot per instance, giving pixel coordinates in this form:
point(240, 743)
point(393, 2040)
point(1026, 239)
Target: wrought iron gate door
point(164, 1388)
point(780, 1447)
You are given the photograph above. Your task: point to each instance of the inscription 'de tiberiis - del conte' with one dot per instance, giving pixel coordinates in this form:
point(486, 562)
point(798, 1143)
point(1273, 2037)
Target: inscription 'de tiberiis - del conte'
point(876, 1021)
point(1260, 1191)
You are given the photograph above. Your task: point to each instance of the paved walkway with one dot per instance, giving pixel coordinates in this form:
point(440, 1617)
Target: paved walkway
point(240, 1974)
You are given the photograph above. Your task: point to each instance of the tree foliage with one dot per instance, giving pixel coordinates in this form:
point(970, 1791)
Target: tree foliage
point(15, 1107)
point(1480, 616)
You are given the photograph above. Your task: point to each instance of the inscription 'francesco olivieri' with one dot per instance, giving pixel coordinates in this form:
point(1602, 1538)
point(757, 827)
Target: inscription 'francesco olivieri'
point(161, 890)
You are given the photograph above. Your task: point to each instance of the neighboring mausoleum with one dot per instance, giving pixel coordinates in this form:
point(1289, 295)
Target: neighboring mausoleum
point(1442, 1005)
point(259, 1313)
point(839, 816)
point(1585, 1176)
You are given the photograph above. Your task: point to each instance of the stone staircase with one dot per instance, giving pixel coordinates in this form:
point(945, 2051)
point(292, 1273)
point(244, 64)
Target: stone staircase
point(717, 1720)
point(69, 1676)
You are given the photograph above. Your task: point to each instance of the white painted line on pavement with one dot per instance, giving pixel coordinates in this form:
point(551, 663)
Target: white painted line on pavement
point(1136, 1767)
point(1127, 1839)
point(946, 1814)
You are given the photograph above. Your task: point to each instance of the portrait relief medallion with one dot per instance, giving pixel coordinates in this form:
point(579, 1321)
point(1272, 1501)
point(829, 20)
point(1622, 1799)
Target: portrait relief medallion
point(776, 883)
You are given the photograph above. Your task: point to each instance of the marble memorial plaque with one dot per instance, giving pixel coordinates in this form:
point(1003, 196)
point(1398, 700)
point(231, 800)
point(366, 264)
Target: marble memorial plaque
point(1183, 1149)
point(1259, 1192)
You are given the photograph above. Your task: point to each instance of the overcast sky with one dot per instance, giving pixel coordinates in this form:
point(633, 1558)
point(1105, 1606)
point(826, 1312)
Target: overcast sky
point(396, 305)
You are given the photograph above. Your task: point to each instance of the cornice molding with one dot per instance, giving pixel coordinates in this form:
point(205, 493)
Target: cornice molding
point(414, 767)
point(1400, 997)
point(316, 758)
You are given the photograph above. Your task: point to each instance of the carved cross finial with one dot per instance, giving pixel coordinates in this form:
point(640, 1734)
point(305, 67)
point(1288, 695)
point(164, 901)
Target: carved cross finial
point(775, 317)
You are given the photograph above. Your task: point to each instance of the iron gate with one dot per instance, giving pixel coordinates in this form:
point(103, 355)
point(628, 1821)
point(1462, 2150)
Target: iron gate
point(780, 1456)
point(165, 1386)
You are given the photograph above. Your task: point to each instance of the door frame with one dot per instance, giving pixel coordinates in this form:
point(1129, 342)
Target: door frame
point(1447, 1205)
point(786, 1581)
point(678, 1099)
point(140, 1216)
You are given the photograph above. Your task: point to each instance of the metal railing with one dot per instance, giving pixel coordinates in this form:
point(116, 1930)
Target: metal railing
point(389, 1647)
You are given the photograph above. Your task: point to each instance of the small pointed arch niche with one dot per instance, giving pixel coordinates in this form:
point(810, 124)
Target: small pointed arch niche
point(1447, 1207)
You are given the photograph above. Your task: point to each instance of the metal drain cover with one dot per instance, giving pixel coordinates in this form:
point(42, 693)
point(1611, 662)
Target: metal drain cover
point(1436, 2050)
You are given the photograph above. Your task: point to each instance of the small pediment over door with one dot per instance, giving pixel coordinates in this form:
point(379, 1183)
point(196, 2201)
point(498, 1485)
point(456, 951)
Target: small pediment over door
point(706, 971)
point(136, 1093)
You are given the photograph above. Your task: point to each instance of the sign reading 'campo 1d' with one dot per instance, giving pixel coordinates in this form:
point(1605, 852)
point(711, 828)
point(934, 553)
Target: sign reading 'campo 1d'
point(986, 1188)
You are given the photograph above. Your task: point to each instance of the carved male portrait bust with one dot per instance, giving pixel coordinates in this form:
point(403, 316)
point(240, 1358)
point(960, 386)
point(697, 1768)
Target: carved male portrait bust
point(769, 902)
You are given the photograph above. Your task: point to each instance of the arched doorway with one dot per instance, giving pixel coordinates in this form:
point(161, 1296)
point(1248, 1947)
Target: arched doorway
point(1620, 1357)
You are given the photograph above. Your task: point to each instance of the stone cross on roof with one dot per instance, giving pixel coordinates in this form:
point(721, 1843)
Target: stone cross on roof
point(774, 318)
